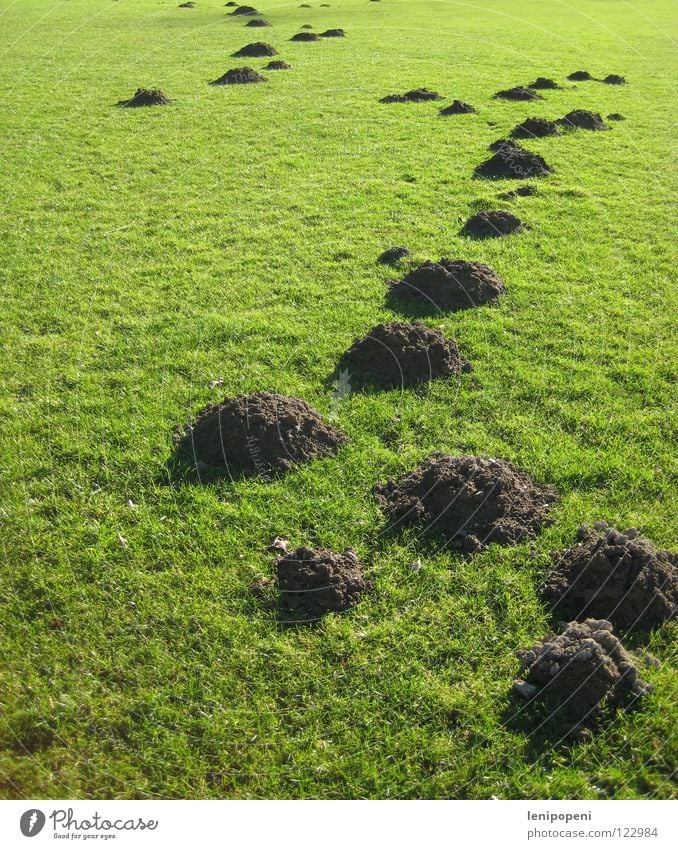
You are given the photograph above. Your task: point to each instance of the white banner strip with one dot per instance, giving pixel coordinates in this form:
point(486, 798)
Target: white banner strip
point(355, 824)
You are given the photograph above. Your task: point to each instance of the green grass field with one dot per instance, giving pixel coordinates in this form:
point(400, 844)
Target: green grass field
point(233, 235)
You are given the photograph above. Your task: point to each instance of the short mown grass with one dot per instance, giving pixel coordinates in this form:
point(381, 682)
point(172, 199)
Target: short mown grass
point(233, 236)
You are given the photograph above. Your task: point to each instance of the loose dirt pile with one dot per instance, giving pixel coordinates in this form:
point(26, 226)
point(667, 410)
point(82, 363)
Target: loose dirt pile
point(313, 582)
point(259, 434)
point(615, 576)
point(579, 76)
point(189, 5)
point(511, 161)
point(582, 119)
point(535, 128)
point(333, 33)
point(521, 191)
point(277, 65)
point(257, 22)
point(237, 76)
point(505, 144)
point(393, 255)
point(257, 49)
point(398, 354)
point(451, 285)
point(582, 670)
point(543, 83)
point(305, 36)
point(457, 107)
point(491, 224)
point(145, 97)
point(245, 10)
point(416, 95)
point(614, 79)
point(470, 501)
point(616, 116)
point(518, 93)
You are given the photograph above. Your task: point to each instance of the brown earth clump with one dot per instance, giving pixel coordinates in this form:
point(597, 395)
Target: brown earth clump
point(238, 76)
point(450, 285)
point(490, 224)
point(333, 33)
point(256, 49)
point(579, 76)
point(245, 10)
point(535, 128)
point(522, 192)
point(398, 355)
point(145, 97)
point(261, 434)
point(457, 107)
point(305, 36)
point(615, 116)
point(513, 162)
point(617, 576)
point(518, 93)
point(393, 255)
point(582, 119)
point(257, 22)
point(469, 501)
point(614, 79)
point(277, 65)
point(581, 670)
point(543, 83)
point(313, 582)
point(416, 95)
point(505, 145)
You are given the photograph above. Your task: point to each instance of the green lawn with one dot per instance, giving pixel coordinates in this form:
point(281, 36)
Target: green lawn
point(233, 235)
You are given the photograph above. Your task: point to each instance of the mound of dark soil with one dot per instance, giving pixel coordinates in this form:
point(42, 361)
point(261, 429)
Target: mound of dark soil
point(307, 26)
point(189, 5)
point(543, 83)
point(535, 128)
point(305, 36)
point(277, 65)
point(616, 116)
point(256, 49)
point(614, 79)
point(313, 582)
point(582, 119)
point(490, 224)
point(145, 97)
point(231, 3)
point(521, 191)
point(579, 76)
point(513, 162)
point(582, 669)
point(398, 354)
point(457, 107)
point(237, 76)
point(259, 434)
point(451, 285)
point(615, 576)
point(333, 33)
point(518, 93)
point(257, 22)
point(416, 95)
point(245, 10)
point(505, 144)
point(470, 501)
point(392, 255)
